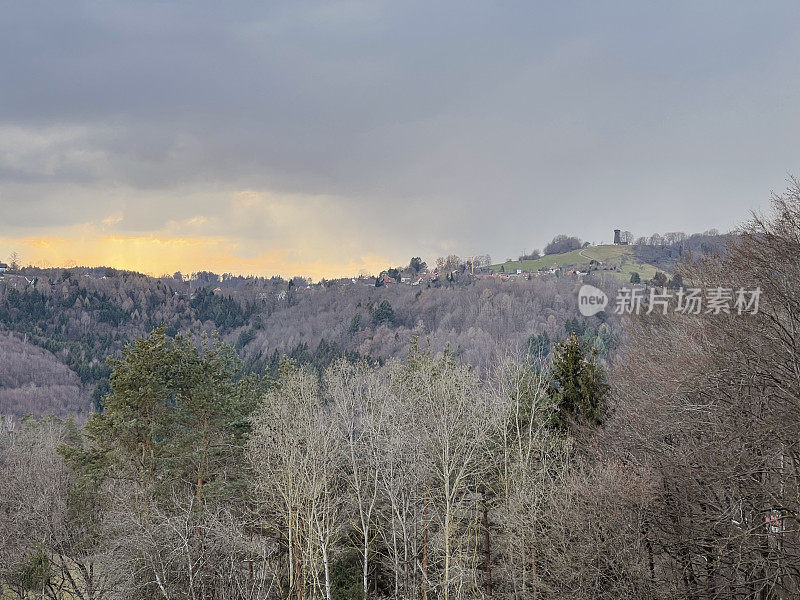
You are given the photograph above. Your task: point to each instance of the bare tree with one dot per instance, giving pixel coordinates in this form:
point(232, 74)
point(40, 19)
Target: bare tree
point(358, 409)
point(295, 456)
point(456, 424)
point(15, 261)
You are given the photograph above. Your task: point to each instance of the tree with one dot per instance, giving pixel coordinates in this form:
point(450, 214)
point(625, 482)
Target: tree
point(528, 462)
point(562, 243)
point(383, 314)
point(295, 456)
point(676, 281)
point(449, 264)
point(539, 345)
point(455, 424)
point(635, 277)
point(15, 261)
point(355, 324)
point(169, 445)
point(659, 279)
point(709, 417)
point(52, 520)
point(358, 411)
point(532, 255)
point(578, 385)
point(417, 265)
point(32, 574)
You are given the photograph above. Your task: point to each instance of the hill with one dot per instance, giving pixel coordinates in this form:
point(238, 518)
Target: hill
point(34, 381)
point(620, 261)
point(58, 326)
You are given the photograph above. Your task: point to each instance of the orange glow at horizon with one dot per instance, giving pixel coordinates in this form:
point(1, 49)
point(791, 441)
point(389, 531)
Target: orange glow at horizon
point(156, 255)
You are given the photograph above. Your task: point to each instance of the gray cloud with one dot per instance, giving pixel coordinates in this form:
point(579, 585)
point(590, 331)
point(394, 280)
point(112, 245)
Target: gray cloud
point(447, 126)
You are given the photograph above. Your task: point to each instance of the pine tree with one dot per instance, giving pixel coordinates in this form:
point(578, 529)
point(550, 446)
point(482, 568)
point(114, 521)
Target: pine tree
point(578, 385)
point(172, 405)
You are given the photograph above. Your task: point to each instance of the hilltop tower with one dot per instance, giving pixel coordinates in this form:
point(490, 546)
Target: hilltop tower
point(617, 240)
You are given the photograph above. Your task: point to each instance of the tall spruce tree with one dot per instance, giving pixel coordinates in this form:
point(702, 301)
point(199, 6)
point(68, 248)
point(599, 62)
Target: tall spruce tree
point(578, 385)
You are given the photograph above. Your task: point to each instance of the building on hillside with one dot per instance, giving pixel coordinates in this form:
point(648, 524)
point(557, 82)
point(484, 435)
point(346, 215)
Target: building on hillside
point(3, 267)
point(621, 238)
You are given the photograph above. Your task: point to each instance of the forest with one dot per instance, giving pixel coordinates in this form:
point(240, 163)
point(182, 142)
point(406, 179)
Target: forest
point(72, 320)
point(488, 445)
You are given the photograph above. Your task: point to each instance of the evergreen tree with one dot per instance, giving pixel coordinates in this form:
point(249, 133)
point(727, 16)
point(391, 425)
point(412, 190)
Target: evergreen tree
point(578, 384)
point(355, 324)
point(539, 345)
point(383, 313)
point(171, 407)
point(659, 279)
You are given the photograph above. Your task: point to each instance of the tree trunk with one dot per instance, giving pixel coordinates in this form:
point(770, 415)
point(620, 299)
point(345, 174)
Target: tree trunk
point(326, 564)
point(487, 549)
point(425, 564)
point(366, 564)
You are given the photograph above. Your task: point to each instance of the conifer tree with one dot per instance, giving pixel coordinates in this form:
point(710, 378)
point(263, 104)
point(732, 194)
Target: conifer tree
point(578, 385)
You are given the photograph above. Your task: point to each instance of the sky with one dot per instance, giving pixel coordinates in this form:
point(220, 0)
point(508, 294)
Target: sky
point(325, 139)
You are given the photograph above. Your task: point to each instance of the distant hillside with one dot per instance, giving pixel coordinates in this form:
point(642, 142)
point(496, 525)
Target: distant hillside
point(620, 261)
point(58, 326)
point(67, 322)
point(33, 381)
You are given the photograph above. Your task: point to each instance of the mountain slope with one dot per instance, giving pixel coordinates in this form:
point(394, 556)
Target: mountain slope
point(620, 260)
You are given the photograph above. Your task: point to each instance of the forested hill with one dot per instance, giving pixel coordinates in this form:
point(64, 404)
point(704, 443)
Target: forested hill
point(58, 326)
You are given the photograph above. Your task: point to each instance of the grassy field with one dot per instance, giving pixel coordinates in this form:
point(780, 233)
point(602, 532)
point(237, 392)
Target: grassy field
point(610, 256)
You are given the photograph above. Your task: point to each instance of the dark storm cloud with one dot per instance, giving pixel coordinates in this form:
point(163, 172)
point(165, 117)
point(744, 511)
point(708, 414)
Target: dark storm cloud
point(503, 125)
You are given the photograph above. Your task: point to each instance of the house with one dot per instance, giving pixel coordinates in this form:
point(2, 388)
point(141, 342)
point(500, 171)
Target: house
point(3, 267)
point(387, 279)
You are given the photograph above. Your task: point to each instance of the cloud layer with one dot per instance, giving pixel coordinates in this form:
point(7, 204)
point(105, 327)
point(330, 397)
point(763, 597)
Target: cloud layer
point(325, 138)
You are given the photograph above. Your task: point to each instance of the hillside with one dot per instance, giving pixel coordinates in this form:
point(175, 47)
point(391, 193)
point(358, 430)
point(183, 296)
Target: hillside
point(621, 261)
point(72, 320)
point(34, 381)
